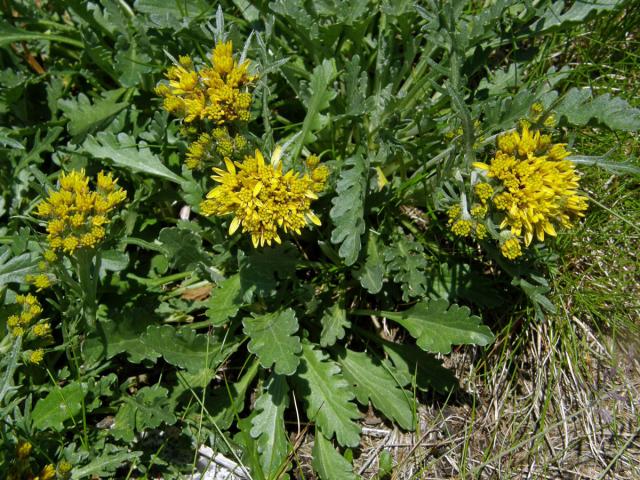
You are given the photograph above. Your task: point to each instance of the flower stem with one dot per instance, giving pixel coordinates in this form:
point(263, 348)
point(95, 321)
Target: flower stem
point(88, 269)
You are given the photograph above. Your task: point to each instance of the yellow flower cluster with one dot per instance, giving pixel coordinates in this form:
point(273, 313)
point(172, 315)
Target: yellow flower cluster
point(31, 309)
point(463, 225)
point(21, 468)
point(263, 198)
point(216, 92)
point(76, 215)
point(537, 187)
point(212, 147)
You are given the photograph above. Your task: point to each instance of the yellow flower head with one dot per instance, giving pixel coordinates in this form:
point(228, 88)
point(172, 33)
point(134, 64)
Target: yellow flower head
point(47, 473)
point(462, 228)
point(216, 92)
point(36, 356)
point(30, 311)
point(511, 248)
point(24, 450)
point(40, 281)
point(539, 187)
point(263, 198)
point(75, 213)
point(64, 469)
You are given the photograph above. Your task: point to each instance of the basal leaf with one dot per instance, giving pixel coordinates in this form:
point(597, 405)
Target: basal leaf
point(225, 300)
point(334, 321)
point(327, 396)
point(406, 261)
point(120, 331)
point(372, 381)
point(558, 16)
point(371, 275)
point(348, 207)
point(411, 362)
point(272, 340)
point(183, 347)
point(106, 463)
point(149, 408)
point(229, 399)
point(268, 425)
point(14, 269)
point(60, 405)
point(131, 63)
point(125, 152)
point(436, 326)
point(183, 247)
point(327, 462)
point(86, 117)
point(580, 107)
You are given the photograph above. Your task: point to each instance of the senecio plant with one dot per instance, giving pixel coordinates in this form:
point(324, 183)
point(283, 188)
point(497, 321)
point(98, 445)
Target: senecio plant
point(250, 248)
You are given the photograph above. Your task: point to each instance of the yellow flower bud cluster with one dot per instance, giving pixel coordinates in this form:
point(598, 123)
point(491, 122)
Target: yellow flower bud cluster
point(537, 188)
point(216, 92)
point(212, 148)
point(76, 215)
point(464, 225)
point(263, 198)
point(30, 310)
point(20, 467)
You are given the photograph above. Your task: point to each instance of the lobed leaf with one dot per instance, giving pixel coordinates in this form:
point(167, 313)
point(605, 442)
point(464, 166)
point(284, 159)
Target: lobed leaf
point(348, 207)
point(328, 462)
point(268, 425)
point(124, 151)
point(272, 340)
point(327, 396)
point(436, 326)
point(86, 117)
point(334, 321)
point(372, 381)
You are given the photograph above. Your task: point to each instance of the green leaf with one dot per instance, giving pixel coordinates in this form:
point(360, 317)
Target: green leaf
point(229, 400)
point(406, 261)
point(14, 269)
point(121, 330)
point(327, 396)
point(558, 16)
point(10, 34)
point(86, 117)
point(611, 166)
point(374, 382)
point(268, 425)
point(327, 462)
point(131, 63)
point(260, 270)
point(272, 340)
point(59, 405)
point(436, 326)
point(183, 247)
point(580, 107)
point(148, 409)
point(106, 463)
point(124, 151)
point(7, 141)
point(371, 275)
point(225, 300)
point(410, 361)
point(183, 347)
point(317, 98)
point(348, 207)
point(334, 321)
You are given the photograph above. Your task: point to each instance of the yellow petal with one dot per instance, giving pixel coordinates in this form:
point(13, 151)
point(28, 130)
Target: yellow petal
point(312, 216)
point(235, 223)
point(276, 155)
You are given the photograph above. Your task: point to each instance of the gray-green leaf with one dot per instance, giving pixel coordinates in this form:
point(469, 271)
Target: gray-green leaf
point(59, 405)
point(334, 321)
point(125, 152)
point(348, 207)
